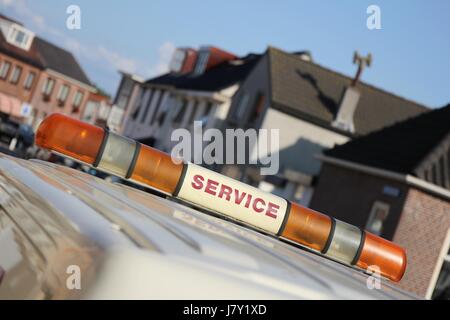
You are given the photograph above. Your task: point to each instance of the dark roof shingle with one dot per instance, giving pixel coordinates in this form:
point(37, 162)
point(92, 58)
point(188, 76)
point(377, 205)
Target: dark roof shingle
point(400, 147)
point(60, 60)
point(214, 79)
point(314, 92)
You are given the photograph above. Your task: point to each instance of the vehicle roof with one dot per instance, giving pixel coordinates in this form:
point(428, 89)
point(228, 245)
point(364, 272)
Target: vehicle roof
point(133, 244)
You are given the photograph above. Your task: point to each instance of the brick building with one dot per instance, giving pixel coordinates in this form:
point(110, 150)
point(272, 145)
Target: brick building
point(396, 183)
point(37, 77)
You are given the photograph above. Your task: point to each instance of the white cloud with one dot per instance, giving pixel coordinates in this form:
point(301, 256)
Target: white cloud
point(99, 53)
point(165, 52)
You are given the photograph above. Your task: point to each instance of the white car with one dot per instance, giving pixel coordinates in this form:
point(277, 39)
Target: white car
point(65, 234)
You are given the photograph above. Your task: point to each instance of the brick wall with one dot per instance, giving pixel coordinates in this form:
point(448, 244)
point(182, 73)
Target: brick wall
point(17, 90)
point(348, 195)
point(421, 231)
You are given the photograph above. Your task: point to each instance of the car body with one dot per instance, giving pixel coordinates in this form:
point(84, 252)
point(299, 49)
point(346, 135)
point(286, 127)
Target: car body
point(57, 223)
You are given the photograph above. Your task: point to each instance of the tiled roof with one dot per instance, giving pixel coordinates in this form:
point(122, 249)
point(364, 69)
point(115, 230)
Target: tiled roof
point(401, 147)
point(60, 60)
point(43, 54)
point(214, 79)
point(313, 92)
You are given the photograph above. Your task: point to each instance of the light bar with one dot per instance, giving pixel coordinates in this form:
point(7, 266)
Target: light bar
point(210, 190)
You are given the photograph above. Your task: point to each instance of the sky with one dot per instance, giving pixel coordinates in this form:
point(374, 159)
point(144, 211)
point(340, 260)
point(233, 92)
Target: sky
point(411, 51)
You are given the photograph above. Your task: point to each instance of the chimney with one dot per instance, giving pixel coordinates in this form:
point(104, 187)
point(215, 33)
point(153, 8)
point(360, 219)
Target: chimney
point(304, 55)
point(350, 98)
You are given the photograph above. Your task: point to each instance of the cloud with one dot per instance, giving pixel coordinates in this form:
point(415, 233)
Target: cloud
point(165, 52)
point(106, 58)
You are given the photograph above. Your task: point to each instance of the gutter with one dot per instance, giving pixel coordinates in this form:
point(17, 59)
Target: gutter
point(405, 178)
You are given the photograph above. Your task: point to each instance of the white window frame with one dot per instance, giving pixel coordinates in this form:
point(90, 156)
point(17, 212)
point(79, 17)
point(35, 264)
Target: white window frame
point(3, 73)
point(443, 256)
point(78, 99)
point(15, 74)
point(377, 205)
point(45, 90)
point(27, 86)
point(60, 96)
point(12, 34)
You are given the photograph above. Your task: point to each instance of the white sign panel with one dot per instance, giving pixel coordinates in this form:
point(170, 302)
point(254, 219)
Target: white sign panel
point(232, 198)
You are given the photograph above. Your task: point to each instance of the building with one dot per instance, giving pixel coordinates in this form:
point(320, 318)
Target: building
point(395, 182)
point(37, 77)
point(129, 90)
point(199, 87)
point(314, 108)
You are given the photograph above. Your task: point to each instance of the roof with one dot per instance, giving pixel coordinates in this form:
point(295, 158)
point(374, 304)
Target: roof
point(31, 56)
point(310, 91)
point(60, 60)
point(43, 54)
point(214, 79)
point(151, 242)
point(401, 147)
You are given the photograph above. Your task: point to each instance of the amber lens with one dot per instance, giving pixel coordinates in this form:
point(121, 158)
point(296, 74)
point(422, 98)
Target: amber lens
point(156, 169)
point(70, 137)
point(389, 258)
point(307, 227)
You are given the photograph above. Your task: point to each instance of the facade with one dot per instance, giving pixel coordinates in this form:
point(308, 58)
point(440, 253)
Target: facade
point(199, 87)
point(313, 108)
point(396, 183)
point(37, 77)
point(129, 90)
point(306, 102)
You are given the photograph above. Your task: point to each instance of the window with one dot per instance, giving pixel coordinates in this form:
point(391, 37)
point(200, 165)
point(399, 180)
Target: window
point(29, 80)
point(193, 113)
point(204, 116)
point(147, 107)
point(47, 89)
point(177, 60)
point(138, 105)
point(125, 91)
point(257, 108)
point(4, 69)
point(62, 94)
point(15, 76)
point(157, 107)
point(378, 215)
point(77, 101)
point(239, 110)
point(202, 60)
point(440, 290)
point(180, 111)
point(20, 37)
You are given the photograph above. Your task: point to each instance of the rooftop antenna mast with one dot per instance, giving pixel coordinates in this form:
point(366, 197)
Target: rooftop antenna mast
point(362, 62)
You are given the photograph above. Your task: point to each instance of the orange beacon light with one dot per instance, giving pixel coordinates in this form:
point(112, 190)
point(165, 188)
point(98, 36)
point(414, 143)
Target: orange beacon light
point(213, 191)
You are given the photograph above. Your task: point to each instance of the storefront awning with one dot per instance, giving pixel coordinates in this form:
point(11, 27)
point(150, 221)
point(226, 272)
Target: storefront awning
point(10, 105)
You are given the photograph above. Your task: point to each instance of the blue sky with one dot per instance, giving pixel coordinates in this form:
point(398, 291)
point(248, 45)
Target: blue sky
point(411, 53)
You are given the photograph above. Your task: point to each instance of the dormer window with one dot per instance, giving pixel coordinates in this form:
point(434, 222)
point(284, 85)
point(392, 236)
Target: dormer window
point(202, 61)
point(20, 37)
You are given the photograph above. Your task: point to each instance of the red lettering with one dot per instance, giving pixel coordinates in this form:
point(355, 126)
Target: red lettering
point(225, 190)
point(198, 182)
point(272, 210)
point(249, 199)
point(255, 205)
point(238, 199)
point(211, 186)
